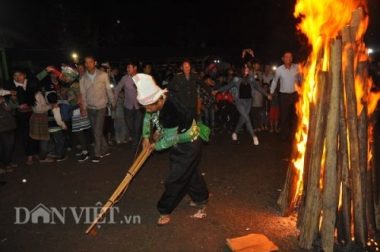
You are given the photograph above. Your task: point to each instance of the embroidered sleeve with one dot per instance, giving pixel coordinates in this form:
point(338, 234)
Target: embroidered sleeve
point(146, 125)
point(168, 139)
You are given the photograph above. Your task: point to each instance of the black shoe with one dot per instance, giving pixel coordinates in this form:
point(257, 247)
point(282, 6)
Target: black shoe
point(105, 154)
point(95, 160)
point(84, 156)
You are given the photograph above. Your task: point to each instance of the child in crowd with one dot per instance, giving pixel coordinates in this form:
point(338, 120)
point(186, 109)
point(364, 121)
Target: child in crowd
point(39, 130)
point(267, 80)
point(258, 108)
point(257, 111)
point(109, 130)
point(80, 125)
point(56, 126)
point(274, 113)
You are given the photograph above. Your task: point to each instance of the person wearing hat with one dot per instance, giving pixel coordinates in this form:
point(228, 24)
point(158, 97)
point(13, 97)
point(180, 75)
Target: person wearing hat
point(80, 124)
point(171, 128)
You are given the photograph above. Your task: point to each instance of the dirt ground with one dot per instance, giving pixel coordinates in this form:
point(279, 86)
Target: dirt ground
point(244, 182)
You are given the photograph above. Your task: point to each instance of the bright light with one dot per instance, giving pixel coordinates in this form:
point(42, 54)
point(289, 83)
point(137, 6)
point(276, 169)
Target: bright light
point(369, 50)
point(74, 56)
point(274, 68)
point(112, 86)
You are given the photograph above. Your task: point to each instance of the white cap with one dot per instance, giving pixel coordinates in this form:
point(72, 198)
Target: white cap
point(147, 90)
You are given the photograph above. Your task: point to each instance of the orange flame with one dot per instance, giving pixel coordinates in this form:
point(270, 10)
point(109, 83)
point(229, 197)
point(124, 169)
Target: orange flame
point(322, 21)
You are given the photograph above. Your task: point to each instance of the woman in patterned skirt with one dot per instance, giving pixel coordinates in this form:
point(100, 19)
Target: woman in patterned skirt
point(80, 124)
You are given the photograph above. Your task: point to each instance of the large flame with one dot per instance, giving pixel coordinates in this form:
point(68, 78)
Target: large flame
point(321, 21)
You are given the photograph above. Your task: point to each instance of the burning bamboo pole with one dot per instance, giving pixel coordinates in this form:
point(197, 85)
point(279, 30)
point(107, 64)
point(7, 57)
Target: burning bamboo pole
point(287, 197)
point(371, 182)
point(363, 132)
point(330, 200)
point(308, 155)
point(374, 181)
point(313, 200)
point(367, 175)
point(341, 230)
point(352, 122)
point(345, 211)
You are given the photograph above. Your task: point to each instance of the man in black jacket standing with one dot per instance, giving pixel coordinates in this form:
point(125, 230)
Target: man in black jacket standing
point(184, 88)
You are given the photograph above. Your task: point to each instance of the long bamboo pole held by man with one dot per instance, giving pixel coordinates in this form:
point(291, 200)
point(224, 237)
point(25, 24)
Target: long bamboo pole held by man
point(115, 197)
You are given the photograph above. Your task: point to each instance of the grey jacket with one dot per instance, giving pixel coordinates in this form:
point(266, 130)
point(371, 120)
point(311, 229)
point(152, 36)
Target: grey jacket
point(96, 94)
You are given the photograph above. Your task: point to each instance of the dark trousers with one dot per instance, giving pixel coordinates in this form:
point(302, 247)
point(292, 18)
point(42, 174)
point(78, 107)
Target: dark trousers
point(30, 145)
point(209, 116)
point(134, 119)
point(108, 126)
point(288, 117)
point(44, 148)
point(58, 139)
point(84, 138)
point(184, 177)
point(257, 117)
point(59, 142)
point(67, 135)
point(227, 115)
point(7, 142)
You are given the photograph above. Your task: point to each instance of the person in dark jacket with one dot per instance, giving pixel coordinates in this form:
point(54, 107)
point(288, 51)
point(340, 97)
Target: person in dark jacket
point(25, 97)
point(184, 87)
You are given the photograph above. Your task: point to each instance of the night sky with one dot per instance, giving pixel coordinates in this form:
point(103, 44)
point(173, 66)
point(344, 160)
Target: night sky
point(267, 26)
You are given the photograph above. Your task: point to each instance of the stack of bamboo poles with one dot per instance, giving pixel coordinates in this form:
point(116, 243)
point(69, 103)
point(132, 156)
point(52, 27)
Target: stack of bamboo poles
point(338, 199)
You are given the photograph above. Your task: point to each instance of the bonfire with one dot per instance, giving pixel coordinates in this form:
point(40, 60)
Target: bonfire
point(331, 181)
